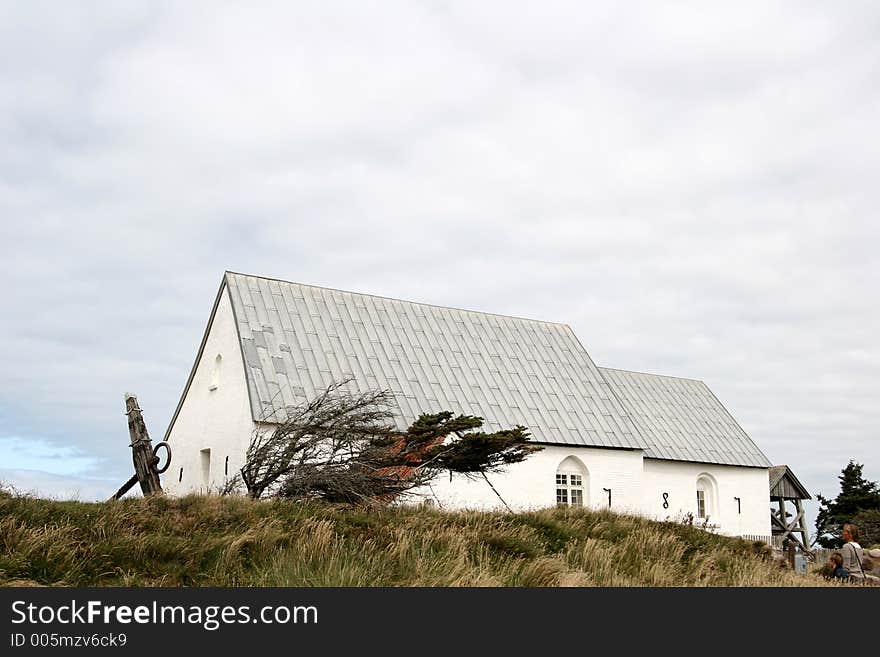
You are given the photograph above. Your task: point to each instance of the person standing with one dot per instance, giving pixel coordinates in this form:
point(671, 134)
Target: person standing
point(852, 551)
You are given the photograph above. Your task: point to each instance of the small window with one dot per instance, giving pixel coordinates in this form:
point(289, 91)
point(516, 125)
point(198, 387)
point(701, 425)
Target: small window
point(707, 497)
point(206, 466)
point(215, 377)
point(180, 476)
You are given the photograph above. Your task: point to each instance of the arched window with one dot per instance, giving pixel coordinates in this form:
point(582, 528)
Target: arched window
point(215, 378)
point(572, 483)
point(707, 497)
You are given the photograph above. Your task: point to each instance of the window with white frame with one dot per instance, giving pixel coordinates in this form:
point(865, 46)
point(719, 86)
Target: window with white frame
point(701, 503)
point(706, 497)
point(570, 480)
point(562, 490)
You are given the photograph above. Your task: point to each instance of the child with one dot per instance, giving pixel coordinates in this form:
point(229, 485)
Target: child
point(835, 563)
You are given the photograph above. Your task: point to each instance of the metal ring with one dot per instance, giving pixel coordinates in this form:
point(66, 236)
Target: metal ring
point(168, 451)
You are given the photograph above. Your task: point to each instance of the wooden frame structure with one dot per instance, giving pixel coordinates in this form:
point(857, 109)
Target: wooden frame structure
point(785, 487)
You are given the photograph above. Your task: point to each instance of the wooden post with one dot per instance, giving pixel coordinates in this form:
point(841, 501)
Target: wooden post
point(782, 520)
point(782, 512)
point(802, 526)
point(145, 461)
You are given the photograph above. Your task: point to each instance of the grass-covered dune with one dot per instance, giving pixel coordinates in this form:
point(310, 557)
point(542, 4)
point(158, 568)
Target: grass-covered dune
point(223, 541)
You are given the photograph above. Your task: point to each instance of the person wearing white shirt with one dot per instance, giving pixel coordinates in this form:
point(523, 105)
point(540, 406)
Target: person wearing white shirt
point(852, 551)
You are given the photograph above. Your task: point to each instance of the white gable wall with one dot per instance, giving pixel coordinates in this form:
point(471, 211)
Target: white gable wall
point(219, 419)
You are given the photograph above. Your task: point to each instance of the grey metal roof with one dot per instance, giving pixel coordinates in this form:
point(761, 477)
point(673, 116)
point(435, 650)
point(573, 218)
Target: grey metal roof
point(682, 420)
point(297, 339)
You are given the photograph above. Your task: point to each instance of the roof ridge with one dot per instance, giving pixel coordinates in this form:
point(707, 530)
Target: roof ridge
point(415, 303)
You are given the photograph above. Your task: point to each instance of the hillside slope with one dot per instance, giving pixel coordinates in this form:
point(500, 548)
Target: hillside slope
point(211, 541)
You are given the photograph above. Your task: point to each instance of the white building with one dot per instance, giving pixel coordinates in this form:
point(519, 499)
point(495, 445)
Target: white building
point(654, 445)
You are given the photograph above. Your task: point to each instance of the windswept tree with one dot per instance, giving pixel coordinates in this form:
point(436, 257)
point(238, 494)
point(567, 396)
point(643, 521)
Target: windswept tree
point(857, 495)
point(343, 447)
point(441, 442)
point(327, 430)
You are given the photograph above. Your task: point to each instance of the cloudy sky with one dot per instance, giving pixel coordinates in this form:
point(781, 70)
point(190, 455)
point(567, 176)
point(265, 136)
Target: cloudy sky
point(693, 189)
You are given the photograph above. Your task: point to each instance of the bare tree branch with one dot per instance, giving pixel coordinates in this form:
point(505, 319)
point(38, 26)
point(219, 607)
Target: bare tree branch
point(342, 447)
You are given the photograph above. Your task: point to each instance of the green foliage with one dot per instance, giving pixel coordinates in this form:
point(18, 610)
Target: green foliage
point(511, 545)
point(425, 431)
point(468, 451)
point(857, 494)
point(869, 526)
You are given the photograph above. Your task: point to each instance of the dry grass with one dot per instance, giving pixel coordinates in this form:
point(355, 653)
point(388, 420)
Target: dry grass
point(211, 541)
